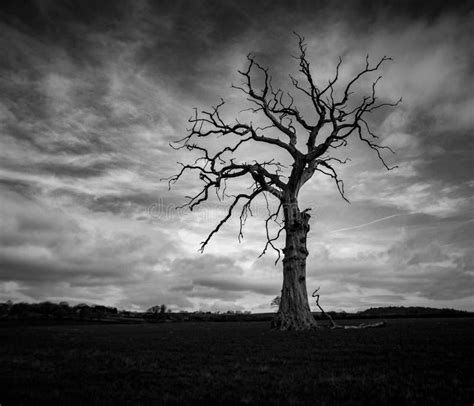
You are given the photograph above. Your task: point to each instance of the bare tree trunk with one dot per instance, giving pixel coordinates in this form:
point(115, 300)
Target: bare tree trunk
point(294, 312)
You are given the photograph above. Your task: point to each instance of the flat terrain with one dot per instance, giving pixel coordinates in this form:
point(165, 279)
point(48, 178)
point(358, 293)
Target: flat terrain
point(411, 361)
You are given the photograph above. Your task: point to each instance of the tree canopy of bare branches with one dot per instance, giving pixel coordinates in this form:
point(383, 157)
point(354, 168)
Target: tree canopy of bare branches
point(337, 112)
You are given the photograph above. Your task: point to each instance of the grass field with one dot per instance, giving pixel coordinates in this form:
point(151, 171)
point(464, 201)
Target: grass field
point(411, 361)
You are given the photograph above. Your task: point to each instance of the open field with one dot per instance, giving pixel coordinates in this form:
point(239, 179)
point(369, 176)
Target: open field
point(411, 361)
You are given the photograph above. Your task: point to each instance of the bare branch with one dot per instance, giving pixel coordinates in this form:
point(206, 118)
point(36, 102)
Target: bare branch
point(341, 129)
point(229, 214)
point(270, 240)
point(367, 69)
point(271, 102)
point(332, 117)
point(333, 174)
point(377, 148)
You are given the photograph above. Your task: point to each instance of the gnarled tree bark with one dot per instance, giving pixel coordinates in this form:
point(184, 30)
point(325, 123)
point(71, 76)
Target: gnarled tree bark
point(294, 312)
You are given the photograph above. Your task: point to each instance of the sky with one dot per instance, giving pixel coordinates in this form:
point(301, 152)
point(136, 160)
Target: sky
point(92, 93)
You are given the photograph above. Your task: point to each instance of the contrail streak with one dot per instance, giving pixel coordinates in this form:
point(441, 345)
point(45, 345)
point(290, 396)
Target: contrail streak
point(370, 222)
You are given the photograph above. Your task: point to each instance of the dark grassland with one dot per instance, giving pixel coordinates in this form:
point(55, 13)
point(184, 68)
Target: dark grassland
point(411, 361)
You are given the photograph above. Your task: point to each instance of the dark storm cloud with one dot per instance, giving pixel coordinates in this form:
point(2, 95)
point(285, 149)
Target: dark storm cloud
point(452, 163)
point(23, 188)
point(180, 33)
point(54, 80)
point(125, 202)
point(78, 171)
point(122, 203)
point(72, 168)
point(32, 273)
point(62, 23)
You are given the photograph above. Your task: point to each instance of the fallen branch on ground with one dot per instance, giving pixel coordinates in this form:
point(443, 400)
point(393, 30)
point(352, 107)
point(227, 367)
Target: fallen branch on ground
point(338, 326)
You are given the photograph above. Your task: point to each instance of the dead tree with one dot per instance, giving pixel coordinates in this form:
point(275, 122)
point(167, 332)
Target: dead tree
point(336, 115)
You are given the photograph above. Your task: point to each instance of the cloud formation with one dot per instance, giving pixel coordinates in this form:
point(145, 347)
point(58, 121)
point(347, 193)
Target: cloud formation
point(91, 94)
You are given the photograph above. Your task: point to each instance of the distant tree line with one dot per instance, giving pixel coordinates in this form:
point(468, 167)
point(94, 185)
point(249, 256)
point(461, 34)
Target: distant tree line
point(49, 310)
point(161, 313)
point(411, 311)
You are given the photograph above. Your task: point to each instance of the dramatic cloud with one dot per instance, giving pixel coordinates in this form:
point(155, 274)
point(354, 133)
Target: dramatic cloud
point(92, 93)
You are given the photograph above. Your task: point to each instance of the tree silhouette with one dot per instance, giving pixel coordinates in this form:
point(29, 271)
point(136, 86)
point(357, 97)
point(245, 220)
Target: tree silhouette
point(337, 114)
point(157, 309)
point(276, 301)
